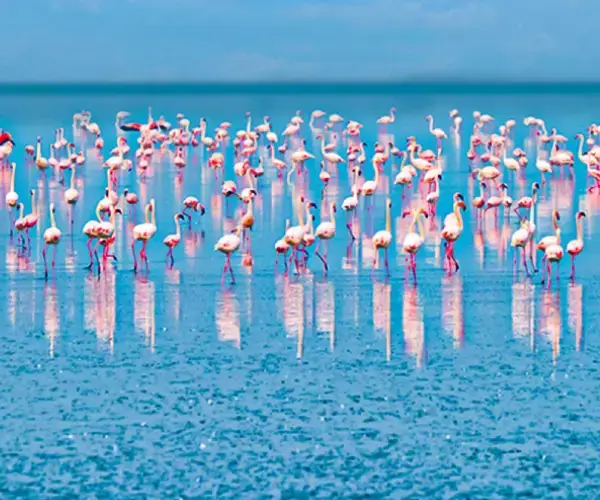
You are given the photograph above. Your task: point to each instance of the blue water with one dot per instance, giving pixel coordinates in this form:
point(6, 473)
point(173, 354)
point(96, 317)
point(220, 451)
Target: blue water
point(171, 385)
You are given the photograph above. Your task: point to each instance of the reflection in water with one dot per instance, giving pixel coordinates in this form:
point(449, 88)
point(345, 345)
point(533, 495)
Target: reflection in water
point(293, 312)
point(100, 306)
point(523, 310)
point(413, 325)
point(51, 315)
point(452, 308)
point(382, 313)
point(144, 314)
point(550, 321)
point(325, 310)
point(227, 317)
point(173, 278)
point(575, 313)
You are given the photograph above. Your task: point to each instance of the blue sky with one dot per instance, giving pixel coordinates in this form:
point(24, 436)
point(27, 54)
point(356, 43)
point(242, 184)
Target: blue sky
point(237, 40)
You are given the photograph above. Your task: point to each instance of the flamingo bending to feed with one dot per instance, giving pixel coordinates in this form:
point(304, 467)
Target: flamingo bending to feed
point(192, 203)
point(51, 237)
point(452, 231)
point(383, 238)
point(172, 240)
point(107, 235)
point(91, 231)
point(575, 247)
point(228, 244)
point(414, 241)
point(326, 231)
point(144, 232)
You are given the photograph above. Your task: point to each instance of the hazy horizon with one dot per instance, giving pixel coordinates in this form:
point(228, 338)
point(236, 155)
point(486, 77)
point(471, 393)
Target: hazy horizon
point(237, 41)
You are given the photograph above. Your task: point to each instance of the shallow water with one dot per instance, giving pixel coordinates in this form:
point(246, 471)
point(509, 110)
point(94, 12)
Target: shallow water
point(169, 384)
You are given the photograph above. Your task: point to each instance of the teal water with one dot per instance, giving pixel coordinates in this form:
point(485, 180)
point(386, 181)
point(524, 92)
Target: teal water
point(170, 385)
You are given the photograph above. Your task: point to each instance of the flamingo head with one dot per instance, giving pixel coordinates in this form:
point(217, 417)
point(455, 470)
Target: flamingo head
point(335, 208)
point(201, 208)
point(428, 117)
point(406, 213)
point(503, 186)
point(180, 217)
point(458, 196)
point(461, 204)
point(535, 186)
point(118, 211)
point(581, 214)
point(311, 204)
point(125, 192)
point(389, 202)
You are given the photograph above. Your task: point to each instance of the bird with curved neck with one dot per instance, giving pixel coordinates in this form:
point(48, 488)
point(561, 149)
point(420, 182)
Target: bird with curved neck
point(144, 232)
point(107, 235)
point(451, 232)
point(414, 241)
point(12, 198)
point(575, 247)
point(228, 244)
point(383, 239)
point(326, 231)
point(172, 240)
point(51, 237)
point(550, 241)
point(247, 222)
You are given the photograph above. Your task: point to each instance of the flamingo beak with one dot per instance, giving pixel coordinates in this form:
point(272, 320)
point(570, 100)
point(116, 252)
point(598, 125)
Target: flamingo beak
point(202, 209)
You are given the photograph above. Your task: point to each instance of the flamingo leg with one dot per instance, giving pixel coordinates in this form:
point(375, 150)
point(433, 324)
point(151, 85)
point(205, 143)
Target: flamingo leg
point(45, 262)
point(549, 271)
point(525, 261)
point(230, 268)
point(134, 258)
point(387, 265)
point(54, 256)
point(325, 266)
point(414, 267)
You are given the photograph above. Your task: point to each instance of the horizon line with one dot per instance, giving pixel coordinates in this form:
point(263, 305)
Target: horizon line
point(302, 86)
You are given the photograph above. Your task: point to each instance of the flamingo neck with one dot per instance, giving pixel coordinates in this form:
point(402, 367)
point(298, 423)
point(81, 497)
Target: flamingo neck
point(458, 215)
point(33, 201)
point(38, 150)
point(431, 124)
point(177, 226)
point(421, 228)
point(300, 213)
point(153, 213)
point(12, 177)
point(21, 211)
point(388, 218)
point(72, 177)
point(99, 216)
point(52, 219)
point(250, 208)
point(376, 174)
point(332, 215)
point(579, 230)
point(581, 147)
point(392, 115)
point(146, 213)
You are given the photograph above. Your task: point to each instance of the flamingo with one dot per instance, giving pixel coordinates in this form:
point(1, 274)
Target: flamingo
point(282, 247)
point(326, 231)
point(51, 237)
point(144, 233)
point(383, 238)
point(172, 240)
point(351, 202)
point(12, 198)
point(414, 241)
point(452, 231)
point(437, 132)
point(90, 229)
point(551, 240)
point(387, 119)
point(192, 203)
point(228, 244)
point(575, 247)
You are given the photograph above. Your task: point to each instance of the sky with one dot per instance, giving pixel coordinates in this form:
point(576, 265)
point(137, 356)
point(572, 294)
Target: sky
point(256, 40)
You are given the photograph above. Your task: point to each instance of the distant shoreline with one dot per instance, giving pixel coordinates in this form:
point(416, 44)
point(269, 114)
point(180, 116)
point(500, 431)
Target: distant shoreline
point(286, 87)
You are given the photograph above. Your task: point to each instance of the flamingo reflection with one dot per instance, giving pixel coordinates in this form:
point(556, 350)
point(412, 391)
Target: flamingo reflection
point(413, 325)
point(144, 312)
point(227, 317)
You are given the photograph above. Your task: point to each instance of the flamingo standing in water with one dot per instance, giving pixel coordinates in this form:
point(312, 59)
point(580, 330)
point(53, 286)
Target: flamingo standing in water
point(51, 237)
point(228, 244)
point(282, 247)
point(12, 198)
point(551, 241)
point(385, 120)
point(383, 238)
point(575, 247)
point(172, 240)
point(414, 241)
point(326, 231)
point(438, 133)
point(451, 232)
point(144, 233)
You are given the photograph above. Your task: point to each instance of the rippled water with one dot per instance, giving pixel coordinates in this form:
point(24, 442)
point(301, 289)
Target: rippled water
point(169, 384)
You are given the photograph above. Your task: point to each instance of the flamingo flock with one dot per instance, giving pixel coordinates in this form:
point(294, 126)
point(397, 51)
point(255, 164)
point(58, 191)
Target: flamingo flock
point(495, 167)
